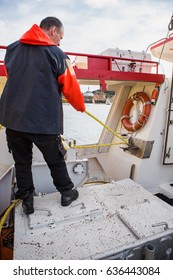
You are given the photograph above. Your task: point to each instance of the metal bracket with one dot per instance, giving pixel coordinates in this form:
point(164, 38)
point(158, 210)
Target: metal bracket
point(139, 148)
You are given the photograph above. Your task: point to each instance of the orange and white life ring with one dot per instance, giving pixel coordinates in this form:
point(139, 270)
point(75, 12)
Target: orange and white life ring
point(143, 117)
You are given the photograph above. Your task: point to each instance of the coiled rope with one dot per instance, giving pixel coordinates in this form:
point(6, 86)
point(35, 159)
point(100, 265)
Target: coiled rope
point(170, 25)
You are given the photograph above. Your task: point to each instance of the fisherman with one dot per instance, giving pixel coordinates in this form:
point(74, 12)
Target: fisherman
point(38, 73)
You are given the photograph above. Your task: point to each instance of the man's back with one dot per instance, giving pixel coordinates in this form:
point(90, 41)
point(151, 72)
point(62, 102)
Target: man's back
point(31, 96)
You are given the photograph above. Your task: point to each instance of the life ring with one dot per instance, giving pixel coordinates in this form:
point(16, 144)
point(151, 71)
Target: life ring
point(125, 119)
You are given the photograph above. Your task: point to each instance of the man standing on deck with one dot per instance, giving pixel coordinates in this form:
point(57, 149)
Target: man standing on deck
point(31, 107)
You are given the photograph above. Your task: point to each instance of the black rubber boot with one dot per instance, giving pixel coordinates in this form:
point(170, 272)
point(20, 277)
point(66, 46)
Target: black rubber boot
point(68, 197)
point(28, 204)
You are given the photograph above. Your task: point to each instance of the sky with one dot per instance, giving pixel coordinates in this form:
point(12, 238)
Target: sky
point(91, 26)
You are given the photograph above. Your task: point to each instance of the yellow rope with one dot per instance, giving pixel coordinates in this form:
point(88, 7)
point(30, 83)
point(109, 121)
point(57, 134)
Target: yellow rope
point(92, 116)
point(96, 145)
point(105, 126)
point(7, 212)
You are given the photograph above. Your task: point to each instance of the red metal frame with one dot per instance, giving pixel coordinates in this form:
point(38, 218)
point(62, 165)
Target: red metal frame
point(100, 68)
point(3, 47)
point(2, 68)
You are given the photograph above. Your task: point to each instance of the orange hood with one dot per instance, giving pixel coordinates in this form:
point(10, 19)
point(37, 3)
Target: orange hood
point(36, 36)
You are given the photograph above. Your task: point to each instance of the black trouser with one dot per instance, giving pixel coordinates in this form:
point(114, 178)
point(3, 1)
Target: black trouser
point(21, 144)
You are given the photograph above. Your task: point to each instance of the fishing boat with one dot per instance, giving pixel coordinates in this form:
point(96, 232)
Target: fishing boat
point(125, 180)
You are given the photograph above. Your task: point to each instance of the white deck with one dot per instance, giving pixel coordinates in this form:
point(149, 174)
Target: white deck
point(105, 218)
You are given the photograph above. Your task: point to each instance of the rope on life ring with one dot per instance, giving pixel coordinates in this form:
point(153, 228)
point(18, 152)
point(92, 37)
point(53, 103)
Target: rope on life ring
point(125, 119)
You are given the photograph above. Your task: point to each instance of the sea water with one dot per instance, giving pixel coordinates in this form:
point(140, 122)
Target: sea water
point(80, 126)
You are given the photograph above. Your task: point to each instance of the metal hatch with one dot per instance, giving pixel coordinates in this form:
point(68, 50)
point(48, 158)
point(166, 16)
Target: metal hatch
point(106, 220)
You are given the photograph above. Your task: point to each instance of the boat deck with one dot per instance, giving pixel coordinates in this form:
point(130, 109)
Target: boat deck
point(104, 221)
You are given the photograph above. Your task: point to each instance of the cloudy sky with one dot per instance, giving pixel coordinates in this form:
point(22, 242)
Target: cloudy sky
point(91, 26)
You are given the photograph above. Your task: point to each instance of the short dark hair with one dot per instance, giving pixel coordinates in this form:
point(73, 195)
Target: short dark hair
point(48, 22)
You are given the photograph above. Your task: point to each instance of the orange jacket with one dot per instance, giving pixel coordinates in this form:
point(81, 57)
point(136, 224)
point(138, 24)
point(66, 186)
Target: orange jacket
point(69, 85)
point(39, 73)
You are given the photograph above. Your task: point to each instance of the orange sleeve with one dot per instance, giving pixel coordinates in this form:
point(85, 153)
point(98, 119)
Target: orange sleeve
point(71, 90)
